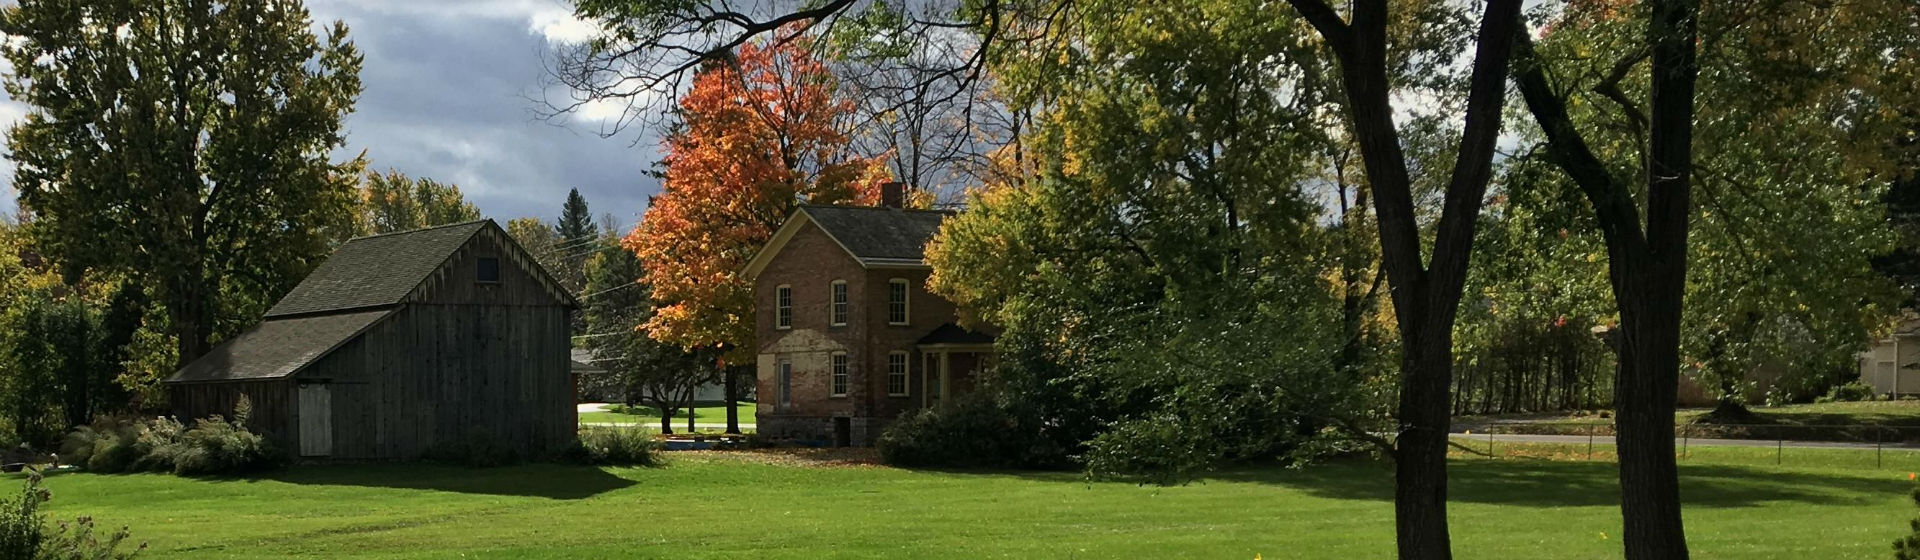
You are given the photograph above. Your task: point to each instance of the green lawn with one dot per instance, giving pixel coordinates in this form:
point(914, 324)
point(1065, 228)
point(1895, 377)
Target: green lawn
point(1822, 504)
point(1904, 413)
point(648, 415)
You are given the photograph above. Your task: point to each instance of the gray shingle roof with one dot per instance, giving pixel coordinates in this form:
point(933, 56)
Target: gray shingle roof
point(375, 270)
point(879, 232)
point(278, 347)
point(950, 333)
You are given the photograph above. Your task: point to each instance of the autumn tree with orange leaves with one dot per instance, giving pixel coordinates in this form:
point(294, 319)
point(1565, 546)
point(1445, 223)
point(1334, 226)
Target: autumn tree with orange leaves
point(758, 134)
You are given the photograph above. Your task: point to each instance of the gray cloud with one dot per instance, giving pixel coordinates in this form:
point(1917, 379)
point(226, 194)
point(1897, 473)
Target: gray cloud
point(449, 95)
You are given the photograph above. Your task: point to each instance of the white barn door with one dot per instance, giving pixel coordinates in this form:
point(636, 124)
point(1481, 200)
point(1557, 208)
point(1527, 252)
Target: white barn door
point(316, 421)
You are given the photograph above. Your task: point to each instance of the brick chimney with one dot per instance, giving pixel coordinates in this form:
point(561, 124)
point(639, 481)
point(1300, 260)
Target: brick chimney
point(893, 194)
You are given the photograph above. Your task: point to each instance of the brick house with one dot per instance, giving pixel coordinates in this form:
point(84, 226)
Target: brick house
point(847, 336)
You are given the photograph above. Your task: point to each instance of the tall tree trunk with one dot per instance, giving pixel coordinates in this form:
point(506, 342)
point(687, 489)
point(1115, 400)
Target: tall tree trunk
point(187, 310)
point(1647, 268)
point(732, 375)
point(1426, 295)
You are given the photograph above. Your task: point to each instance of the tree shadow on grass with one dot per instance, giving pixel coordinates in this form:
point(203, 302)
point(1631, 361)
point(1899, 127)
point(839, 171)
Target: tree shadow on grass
point(1539, 483)
point(558, 482)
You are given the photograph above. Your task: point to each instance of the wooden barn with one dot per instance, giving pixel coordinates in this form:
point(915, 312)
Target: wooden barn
point(399, 342)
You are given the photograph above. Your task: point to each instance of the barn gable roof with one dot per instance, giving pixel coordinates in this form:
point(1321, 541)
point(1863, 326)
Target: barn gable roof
point(376, 270)
point(278, 348)
point(386, 269)
point(877, 236)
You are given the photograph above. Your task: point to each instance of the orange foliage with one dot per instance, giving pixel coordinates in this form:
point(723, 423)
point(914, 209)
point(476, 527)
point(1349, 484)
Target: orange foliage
point(759, 135)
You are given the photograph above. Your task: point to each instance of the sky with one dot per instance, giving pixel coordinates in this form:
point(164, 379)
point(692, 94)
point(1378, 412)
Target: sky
point(452, 91)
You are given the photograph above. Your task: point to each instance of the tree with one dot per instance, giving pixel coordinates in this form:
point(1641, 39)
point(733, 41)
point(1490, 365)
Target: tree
point(1768, 68)
point(759, 136)
point(1425, 293)
point(184, 144)
point(393, 202)
point(577, 235)
point(659, 374)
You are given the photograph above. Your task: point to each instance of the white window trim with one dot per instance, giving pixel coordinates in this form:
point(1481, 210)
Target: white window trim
point(777, 307)
point(906, 301)
point(906, 374)
point(839, 310)
point(844, 373)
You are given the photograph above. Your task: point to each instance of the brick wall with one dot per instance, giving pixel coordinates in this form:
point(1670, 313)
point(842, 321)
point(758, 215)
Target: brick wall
point(809, 263)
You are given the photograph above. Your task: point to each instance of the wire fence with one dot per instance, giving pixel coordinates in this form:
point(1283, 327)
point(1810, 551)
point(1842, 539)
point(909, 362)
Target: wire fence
point(1851, 445)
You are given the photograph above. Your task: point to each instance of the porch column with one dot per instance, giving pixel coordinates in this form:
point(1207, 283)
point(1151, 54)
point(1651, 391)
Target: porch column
point(946, 388)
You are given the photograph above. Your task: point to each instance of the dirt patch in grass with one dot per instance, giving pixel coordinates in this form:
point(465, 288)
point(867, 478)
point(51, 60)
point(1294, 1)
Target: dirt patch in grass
point(841, 457)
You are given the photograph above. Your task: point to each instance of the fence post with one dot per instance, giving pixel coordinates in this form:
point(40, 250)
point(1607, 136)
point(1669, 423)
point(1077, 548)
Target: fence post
point(1490, 444)
point(1779, 446)
point(1589, 442)
point(1877, 437)
point(1686, 436)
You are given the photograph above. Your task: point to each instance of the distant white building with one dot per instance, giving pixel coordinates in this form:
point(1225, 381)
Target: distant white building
point(1892, 364)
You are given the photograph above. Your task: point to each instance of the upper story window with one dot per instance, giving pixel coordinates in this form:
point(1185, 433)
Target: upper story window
point(838, 312)
point(897, 301)
point(488, 270)
point(783, 307)
point(838, 382)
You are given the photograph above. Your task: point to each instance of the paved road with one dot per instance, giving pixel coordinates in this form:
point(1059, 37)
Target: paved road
point(1705, 442)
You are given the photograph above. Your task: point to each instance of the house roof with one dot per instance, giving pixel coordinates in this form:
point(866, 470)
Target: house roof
point(376, 270)
point(950, 333)
point(875, 236)
point(278, 347)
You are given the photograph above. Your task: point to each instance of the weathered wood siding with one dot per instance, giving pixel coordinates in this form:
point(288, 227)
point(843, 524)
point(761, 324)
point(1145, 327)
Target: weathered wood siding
point(273, 406)
point(440, 373)
point(461, 359)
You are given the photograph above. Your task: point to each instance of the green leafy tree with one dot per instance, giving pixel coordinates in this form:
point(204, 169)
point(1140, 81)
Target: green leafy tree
point(392, 201)
point(657, 374)
point(1160, 249)
point(184, 144)
point(1689, 100)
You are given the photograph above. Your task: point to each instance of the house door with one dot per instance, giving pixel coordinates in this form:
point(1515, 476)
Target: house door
point(316, 420)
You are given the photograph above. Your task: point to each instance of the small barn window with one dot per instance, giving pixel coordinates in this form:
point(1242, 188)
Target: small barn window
point(897, 301)
point(488, 271)
point(839, 299)
point(839, 380)
point(783, 307)
point(897, 374)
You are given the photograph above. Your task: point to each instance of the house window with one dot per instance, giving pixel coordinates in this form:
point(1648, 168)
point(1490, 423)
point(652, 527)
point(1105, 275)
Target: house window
point(488, 271)
point(839, 379)
point(897, 374)
point(839, 312)
point(897, 301)
point(783, 307)
point(785, 372)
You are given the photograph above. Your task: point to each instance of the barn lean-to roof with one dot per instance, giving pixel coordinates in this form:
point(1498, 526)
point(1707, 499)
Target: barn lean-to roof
point(361, 283)
point(278, 348)
point(876, 236)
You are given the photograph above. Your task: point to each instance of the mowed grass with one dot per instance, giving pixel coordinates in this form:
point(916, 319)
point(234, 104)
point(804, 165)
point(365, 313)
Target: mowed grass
point(1902, 413)
point(1824, 504)
point(649, 415)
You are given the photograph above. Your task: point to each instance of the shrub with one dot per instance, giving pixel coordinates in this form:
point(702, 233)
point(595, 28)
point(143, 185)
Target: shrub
point(212, 446)
point(1850, 392)
point(1908, 547)
point(24, 533)
point(1159, 449)
point(613, 446)
point(973, 431)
